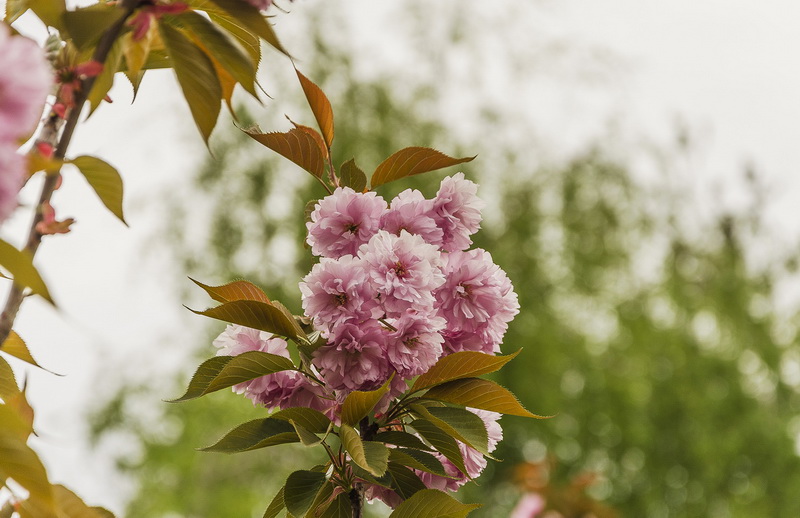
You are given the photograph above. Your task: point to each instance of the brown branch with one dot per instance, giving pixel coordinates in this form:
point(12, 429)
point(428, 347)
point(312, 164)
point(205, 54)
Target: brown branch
point(48, 133)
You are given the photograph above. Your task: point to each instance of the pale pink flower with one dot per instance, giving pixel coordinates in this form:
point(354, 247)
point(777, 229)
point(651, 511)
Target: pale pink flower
point(529, 506)
point(410, 211)
point(337, 290)
point(457, 211)
point(354, 358)
point(416, 343)
point(344, 221)
point(384, 494)
point(25, 80)
point(12, 175)
point(493, 429)
point(403, 270)
point(477, 300)
point(452, 482)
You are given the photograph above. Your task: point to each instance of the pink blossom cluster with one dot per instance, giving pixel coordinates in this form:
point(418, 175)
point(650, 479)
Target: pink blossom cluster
point(25, 80)
point(396, 287)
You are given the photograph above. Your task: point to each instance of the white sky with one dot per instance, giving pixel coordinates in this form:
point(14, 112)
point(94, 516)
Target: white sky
point(729, 70)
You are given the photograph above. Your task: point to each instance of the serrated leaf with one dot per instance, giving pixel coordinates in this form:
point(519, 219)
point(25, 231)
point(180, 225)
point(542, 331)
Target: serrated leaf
point(480, 393)
point(339, 508)
point(432, 503)
point(417, 459)
point(250, 17)
point(255, 434)
point(20, 265)
point(14, 9)
point(8, 382)
point(441, 441)
point(197, 78)
point(255, 314)
point(105, 180)
point(403, 439)
point(310, 419)
point(275, 506)
point(19, 462)
point(86, 25)
point(301, 489)
point(222, 48)
point(321, 501)
point(137, 51)
point(226, 371)
point(371, 456)
point(350, 175)
point(19, 403)
point(323, 148)
point(236, 290)
point(71, 505)
point(296, 145)
point(462, 424)
point(463, 364)
point(320, 105)
point(49, 11)
point(104, 81)
point(411, 161)
point(405, 482)
point(307, 438)
point(358, 404)
point(249, 42)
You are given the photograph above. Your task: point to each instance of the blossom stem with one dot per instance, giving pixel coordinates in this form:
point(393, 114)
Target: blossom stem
point(50, 131)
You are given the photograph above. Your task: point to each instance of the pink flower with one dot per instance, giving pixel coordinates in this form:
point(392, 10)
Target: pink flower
point(403, 270)
point(416, 344)
point(25, 80)
point(354, 358)
point(529, 506)
point(411, 212)
point(337, 290)
point(452, 482)
point(493, 429)
point(457, 211)
point(477, 300)
point(12, 175)
point(387, 496)
point(344, 221)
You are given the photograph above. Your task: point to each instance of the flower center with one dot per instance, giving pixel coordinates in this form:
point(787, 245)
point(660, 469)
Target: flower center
point(400, 270)
point(464, 290)
point(411, 343)
point(340, 299)
point(351, 227)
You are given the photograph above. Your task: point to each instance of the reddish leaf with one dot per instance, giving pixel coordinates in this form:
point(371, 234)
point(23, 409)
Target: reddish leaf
point(258, 315)
point(236, 290)
point(319, 105)
point(296, 145)
point(411, 161)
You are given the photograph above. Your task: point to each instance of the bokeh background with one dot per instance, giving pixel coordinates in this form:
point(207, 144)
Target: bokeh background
point(639, 160)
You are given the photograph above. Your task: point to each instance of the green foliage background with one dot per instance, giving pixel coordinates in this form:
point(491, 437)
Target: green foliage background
point(649, 333)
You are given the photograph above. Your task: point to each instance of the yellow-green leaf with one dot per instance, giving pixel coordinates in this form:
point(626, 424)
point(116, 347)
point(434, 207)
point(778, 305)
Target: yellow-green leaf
point(8, 382)
point(359, 404)
point(369, 455)
point(250, 17)
point(104, 81)
point(405, 482)
point(105, 180)
point(301, 490)
point(339, 508)
point(307, 438)
point(275, 506)
point(320, 105)
point(14, 9)
point(460, 423)
point(71, 505)
point(197, 78)
point(249, 42)
point(479, 393)
point(226, 371)
point(296, 145)
point(49, 11)
point(236, 290)
point(19, 462)
point(416, 459)
point(86, 25)
point(403, 439)
point(411, 161)
point(432, 503)
point(20, 265)
point(441, 441)
point(259, 315)
point(255, 434)
point(350, 175)
point(464, 364)
point(137, 51)
point(310, 419)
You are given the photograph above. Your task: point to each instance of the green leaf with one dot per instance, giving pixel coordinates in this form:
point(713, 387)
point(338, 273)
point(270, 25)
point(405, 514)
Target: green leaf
point(301, 489)
point(20, 265)
point(440, 440)
point(432, 503)
point(236, 290)
point(358, 404)
point(464, 364)
point(307, 438)
point(411, 161)
point(258, 315)
point(16, 347)
point(320, 105)
point(462, 424)
point(296, 145)
point(251, 18)
point(350, 175)
point(86, 25)
point(417, 459)
point(310, 419)
point(340, 508)
point(276, 506)
point(196, 75)
point(321, 501)
point(105, 180)
point(404, 439)
point(8, 382)
point(222, 372)
point(14, 9)
point(220, 46)
point(479, 393)
point(19, 462)
point(369, 455)
point(104, 81)
point(49, 11)
point(255, 434)
point(404, 481)
point(249, 42)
